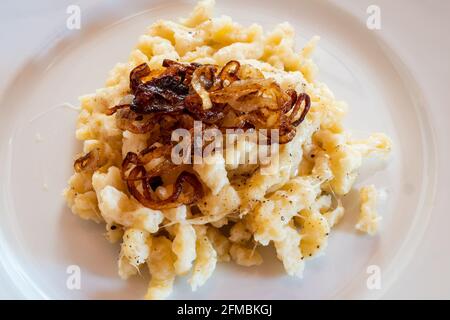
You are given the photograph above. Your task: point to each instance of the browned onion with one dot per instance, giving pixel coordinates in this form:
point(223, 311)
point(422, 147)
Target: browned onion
point(206, 76)
point(89, 162)
point(242, 95)
point(126, 119)
point(247, 71)
point(229, 72)
point(187, 190)
point(113, 110)
point(130, 159)
point(144, 157)
point(302, 97)
point(154, 152)
point(194, 106)
point(233, 96)
point(137, 74)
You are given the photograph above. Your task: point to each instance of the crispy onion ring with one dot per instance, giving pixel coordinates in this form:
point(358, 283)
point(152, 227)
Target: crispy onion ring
point(89, 162)
point(203, 79)
point(239, 94)
point(194, 106)
point(252, 94)
point(146, 156)
point(187, 190)
point(137, 74)
point(303, 97)
point(234, 96)
point(229, 73)
point(126, 119)
point(113, 110)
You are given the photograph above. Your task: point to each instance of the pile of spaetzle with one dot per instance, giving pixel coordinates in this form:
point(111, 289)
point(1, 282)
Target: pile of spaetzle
point(293, 208)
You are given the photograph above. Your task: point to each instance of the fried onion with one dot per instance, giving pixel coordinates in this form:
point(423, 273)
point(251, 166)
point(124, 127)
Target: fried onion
point(89, 162)
point(234, 96)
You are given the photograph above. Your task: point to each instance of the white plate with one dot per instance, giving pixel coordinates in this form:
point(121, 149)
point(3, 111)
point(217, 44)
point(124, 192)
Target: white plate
point(40, 238)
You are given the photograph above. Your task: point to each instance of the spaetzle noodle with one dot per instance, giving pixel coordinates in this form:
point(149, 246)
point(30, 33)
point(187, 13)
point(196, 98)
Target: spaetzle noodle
point(244, 206)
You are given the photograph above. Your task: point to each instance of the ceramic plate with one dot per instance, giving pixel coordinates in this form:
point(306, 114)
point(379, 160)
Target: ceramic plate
point(40, 238)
